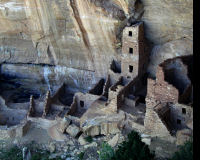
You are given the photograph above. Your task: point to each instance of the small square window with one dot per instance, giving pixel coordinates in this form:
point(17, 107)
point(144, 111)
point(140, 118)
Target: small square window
point(130, 69)
point(178, 121)
point(183, 110)
point(82, 103)
point(130, 33)
point(131, 50)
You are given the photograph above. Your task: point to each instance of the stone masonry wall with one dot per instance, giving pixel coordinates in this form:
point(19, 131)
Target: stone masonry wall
point(159, 91)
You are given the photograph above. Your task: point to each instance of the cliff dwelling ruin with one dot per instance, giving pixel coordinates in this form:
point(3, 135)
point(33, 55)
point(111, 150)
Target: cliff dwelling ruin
point(84, 103)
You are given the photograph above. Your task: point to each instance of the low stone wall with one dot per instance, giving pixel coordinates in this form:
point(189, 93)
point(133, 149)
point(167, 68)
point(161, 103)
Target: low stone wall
point(17, 131)
point(31, 107)
point(47, 104)
point(73, 107)
point(86, 98)
point(153, 124)
point(180, 112)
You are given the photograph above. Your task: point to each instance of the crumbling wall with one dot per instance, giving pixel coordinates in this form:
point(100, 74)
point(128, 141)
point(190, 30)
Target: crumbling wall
point(106, 87)
point(159, 91)
point(154, 125)
point(126, 91)
point(86, 98)
point(17, 131)
point(47, 104)
point(114, 96)
point(31, 111)
point(180, 115)
point(73, 107)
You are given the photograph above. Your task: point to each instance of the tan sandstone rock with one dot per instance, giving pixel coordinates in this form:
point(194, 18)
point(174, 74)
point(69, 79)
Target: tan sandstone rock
point(73, 130)
point(113, 142)
point(63, 124)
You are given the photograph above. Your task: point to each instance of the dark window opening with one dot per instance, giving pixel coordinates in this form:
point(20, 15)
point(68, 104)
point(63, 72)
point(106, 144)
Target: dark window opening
point(131, 50)
point(178, 121)
point(128, 77)
point(115, 66)
point(130, 34)
point(183, 110)
point(130, 69)
point(82, 103)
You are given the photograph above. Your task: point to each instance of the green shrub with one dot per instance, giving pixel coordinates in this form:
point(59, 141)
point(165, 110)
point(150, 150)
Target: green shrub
point(185, 152)
point(89, 139)
point(133, 149)
point(106, 152)
point(13, 153)
point(81, 155)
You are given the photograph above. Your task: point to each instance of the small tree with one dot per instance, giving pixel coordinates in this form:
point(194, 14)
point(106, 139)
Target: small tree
point(106, 152)
point(185, 152)
point(133, 149)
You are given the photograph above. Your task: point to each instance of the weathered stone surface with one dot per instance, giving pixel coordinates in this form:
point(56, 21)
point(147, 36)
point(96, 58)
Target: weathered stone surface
point(96, 121)
point(183, 136)
point(64, 123)
point(52, 147)
point(93, 144)
point(168, 20)
point(64, 32)
point(169, 50)
point(55, 134)
point(73, 130)
point(147, 141)
point(190, 124)
point(113, 142)
point(72, 33)
point(82, 140)
point(160, 91)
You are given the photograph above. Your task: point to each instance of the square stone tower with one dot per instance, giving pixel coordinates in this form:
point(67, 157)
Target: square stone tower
point(133, 53)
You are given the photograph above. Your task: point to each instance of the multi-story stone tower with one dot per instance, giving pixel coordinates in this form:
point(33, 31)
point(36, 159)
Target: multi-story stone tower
point(133, 54)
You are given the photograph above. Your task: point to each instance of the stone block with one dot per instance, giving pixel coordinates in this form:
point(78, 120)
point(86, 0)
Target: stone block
point(63, 124)
point(147, 141)
point(73, 130)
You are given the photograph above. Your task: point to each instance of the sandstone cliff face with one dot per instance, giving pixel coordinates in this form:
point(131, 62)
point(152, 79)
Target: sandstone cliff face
point(77, 34)
point(168, 20)
point(84, 34)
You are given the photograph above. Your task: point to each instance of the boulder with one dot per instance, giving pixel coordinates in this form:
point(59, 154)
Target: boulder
point(147, 141)
point(93, 144)
point(63, 124)
point(52, 147)
point(73, 130)
point(82, 140)
point(113, 142)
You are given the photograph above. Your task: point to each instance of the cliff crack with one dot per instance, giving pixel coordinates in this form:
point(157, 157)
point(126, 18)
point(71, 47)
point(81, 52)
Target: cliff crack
point(81, 27)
